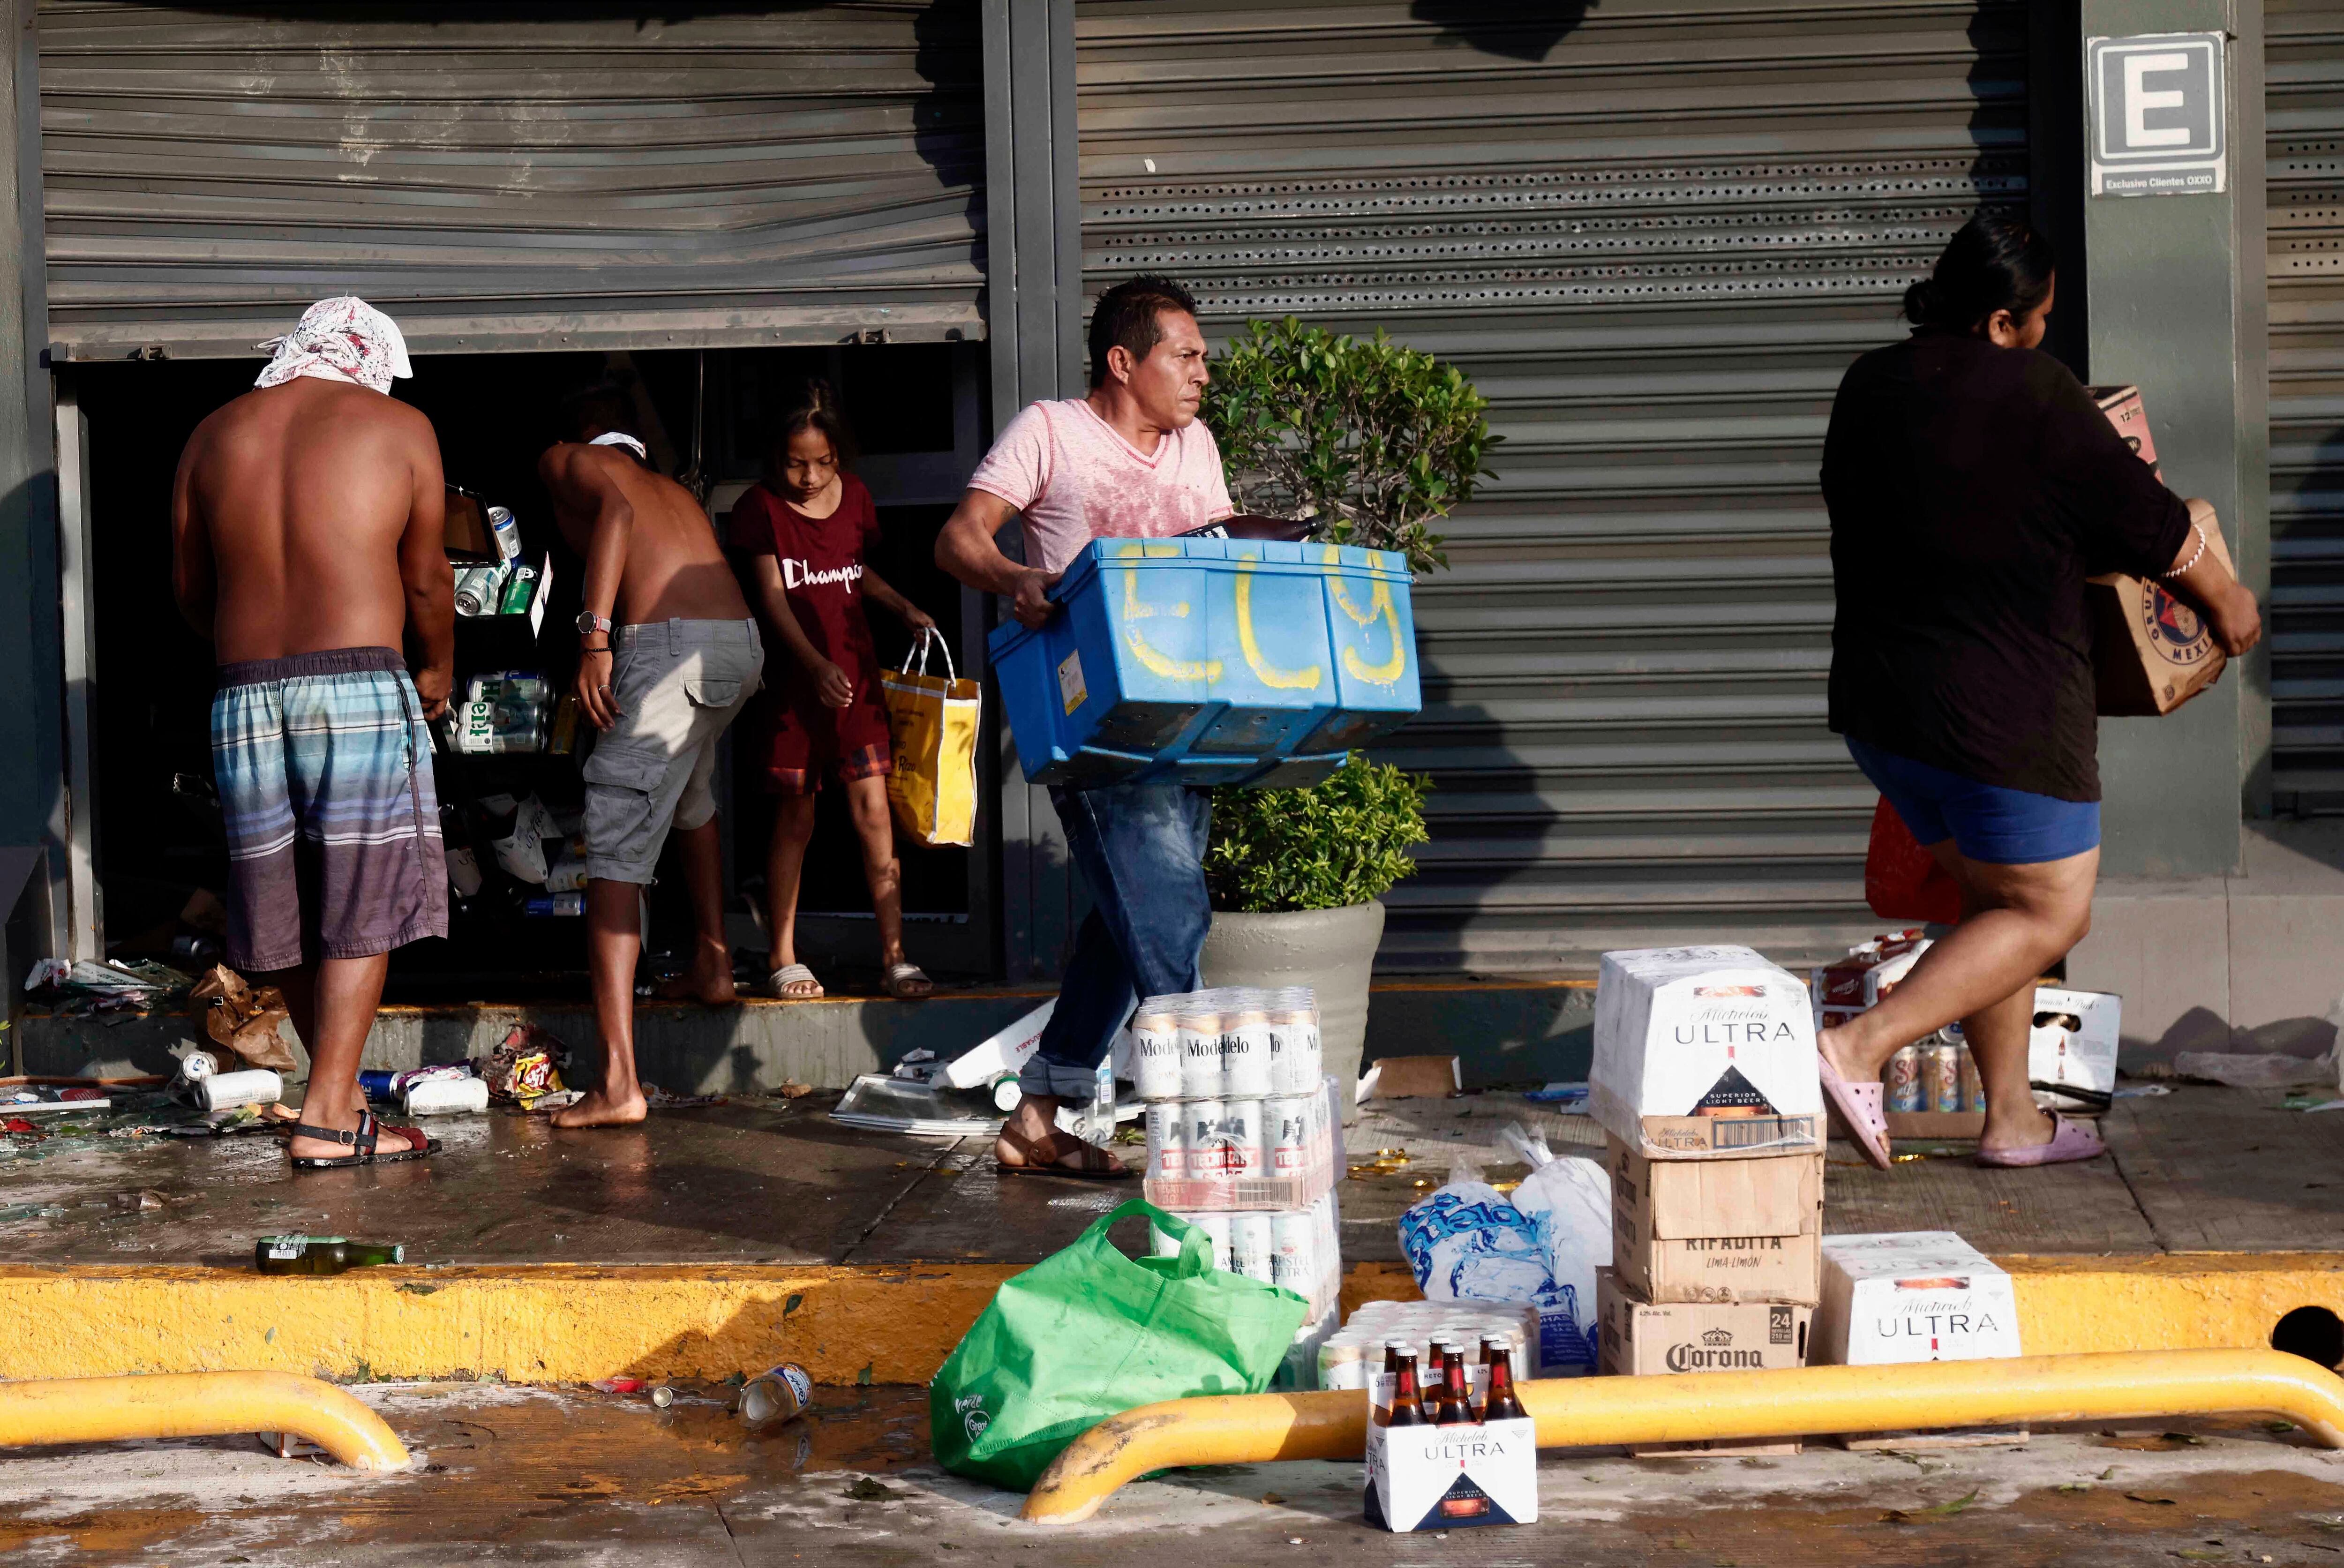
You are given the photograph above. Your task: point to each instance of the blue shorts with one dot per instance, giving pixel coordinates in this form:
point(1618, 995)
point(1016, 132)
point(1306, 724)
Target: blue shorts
point(1987, 823)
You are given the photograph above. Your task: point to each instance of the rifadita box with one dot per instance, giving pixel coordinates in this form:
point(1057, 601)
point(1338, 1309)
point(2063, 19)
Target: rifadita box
point(1704, 1052)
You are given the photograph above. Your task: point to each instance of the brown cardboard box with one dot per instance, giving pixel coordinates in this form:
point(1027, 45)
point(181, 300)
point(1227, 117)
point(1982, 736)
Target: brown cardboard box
point(1643, 1338)
point(1411, 1078)
point(1718, 1229)
point(2151, 652)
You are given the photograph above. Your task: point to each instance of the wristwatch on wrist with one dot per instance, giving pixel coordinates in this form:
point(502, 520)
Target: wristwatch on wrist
point(589, 622)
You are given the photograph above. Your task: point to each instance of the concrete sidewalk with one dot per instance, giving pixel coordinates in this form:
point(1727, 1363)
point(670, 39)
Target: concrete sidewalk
point(724, 1238)
point(511, 1476)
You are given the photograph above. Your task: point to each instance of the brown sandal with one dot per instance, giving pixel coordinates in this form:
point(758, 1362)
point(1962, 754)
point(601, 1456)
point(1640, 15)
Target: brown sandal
point(1043, 1157)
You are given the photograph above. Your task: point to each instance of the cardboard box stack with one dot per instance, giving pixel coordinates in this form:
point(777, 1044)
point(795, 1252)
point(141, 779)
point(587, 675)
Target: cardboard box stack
point(1704, 1084)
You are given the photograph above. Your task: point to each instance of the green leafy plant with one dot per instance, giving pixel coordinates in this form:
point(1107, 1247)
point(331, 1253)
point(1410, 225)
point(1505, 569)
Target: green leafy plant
point(1340, 842)
point(1375, 441)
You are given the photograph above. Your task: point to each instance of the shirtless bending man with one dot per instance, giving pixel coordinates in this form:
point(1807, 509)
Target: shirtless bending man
point(308, 535)
point(661, 684)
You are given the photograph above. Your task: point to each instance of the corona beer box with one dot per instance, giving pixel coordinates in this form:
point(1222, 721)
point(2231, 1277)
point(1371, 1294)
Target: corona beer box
point(1449, 1477)
point(1717, 1229)
point(1643, 1338)
point(1704, 1052)
point(1210, 662)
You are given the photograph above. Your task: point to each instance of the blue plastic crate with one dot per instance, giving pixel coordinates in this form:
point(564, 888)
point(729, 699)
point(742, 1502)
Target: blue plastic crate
point(1210, 662)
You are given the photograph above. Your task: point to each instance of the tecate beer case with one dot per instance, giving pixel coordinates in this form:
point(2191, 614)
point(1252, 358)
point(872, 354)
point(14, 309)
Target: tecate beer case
point(1449, 1477)
point(1704, 1052)
point(1891, 1298)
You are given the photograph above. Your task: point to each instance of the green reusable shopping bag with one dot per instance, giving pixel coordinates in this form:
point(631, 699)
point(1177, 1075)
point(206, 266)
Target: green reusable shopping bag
point(1088, 1333)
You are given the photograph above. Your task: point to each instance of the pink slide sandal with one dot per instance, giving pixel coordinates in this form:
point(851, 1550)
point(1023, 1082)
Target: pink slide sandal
point(2070, 1140)
point(1860, 1107)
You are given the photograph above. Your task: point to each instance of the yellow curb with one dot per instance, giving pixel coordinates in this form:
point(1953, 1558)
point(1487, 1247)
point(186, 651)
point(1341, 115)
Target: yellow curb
point(564, 1323)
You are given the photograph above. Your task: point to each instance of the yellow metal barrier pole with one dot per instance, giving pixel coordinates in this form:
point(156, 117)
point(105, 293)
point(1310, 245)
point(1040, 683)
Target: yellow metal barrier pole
point(197, 1404)
point(1595, 1412)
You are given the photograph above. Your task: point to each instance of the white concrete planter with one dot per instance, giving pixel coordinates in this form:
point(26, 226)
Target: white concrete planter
point(1331, 951)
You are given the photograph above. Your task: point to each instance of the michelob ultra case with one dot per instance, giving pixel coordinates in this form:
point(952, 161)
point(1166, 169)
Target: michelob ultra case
point(1704, 1053)
point(1447, 1477)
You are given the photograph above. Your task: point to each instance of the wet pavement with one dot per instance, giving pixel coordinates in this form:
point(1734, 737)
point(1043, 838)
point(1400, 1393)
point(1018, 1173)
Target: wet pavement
point(509, 1474)
point(768, 1179)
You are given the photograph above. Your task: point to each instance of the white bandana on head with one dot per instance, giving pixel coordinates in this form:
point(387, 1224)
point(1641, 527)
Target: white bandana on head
point(339, 340)
point(618, 439)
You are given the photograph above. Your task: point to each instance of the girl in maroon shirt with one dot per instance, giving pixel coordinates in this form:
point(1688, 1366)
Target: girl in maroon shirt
point(808, 526)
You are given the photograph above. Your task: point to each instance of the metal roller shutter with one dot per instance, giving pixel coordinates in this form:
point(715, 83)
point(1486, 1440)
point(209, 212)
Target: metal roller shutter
point(2304, 107)
point(506, 175)
point(1654, 233)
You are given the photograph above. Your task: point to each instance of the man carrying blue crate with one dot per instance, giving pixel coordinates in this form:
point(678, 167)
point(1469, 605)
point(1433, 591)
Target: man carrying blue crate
point(1129, 460)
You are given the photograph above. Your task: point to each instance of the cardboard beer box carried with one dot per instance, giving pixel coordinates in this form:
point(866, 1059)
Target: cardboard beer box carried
point(1717, 1230)
point(1891, 1298)
point(1704, 1053)
point(1447, 1477)
point(1648, 1339)
point(2151, 652)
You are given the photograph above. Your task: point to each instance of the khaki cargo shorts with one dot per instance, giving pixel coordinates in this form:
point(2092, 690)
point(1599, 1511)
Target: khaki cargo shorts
point(678, 684)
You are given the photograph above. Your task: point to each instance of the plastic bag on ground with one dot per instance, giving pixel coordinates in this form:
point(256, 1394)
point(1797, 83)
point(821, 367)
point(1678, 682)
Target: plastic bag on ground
point(1568, 1201)
point(1088, 1333)
point(1469, 1242)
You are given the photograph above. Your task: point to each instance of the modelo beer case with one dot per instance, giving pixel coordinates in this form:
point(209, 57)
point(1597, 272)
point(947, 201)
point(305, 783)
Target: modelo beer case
point(1449, 1477)
point(1704, 1053)
point(1210, 662)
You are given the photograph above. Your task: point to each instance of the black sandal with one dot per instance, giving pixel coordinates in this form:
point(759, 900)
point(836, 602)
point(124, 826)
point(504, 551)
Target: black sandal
point(362, 1143)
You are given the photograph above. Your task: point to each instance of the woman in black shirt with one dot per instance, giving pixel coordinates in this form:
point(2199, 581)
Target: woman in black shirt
point(1973, 486)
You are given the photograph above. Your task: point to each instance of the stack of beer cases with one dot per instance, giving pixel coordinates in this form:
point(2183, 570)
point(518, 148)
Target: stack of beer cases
point(1705, 1085)
point(1243, 1130)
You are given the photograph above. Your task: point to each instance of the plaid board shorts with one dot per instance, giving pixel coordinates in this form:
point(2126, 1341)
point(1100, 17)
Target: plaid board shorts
point(808, 740)
point(333, 824)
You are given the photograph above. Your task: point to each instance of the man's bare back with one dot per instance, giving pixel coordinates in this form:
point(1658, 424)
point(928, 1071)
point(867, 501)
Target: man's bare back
point(670, 564)
point(311, 516)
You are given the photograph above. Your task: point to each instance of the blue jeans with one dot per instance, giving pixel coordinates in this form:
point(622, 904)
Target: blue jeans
point(1141, 850)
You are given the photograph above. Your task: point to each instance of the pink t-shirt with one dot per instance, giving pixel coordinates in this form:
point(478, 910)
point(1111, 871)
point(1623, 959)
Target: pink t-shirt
point(1074, 479)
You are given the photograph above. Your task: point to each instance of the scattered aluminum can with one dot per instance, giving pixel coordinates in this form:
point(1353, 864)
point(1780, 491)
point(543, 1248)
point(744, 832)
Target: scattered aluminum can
point(1906, 1092)
point(778, 1395)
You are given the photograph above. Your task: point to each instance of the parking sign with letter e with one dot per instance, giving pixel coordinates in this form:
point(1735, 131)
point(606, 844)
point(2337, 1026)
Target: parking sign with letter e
point(2159, 115)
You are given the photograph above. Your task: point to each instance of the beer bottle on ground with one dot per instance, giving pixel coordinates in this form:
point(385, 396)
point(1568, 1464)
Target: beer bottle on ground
point(1406, 1406)
point(1456, 1391)
point(319, 1254)
point(1501, 1404)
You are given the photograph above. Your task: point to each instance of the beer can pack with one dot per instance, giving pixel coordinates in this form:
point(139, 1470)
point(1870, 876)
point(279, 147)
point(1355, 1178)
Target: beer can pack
point(1217, 1226)
point(1904, 1078)
point(1973, 1085)
point(1295, 1057)
point(1294, 1257)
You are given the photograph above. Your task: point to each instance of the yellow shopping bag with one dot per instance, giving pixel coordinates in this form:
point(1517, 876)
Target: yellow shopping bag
point(931, 723)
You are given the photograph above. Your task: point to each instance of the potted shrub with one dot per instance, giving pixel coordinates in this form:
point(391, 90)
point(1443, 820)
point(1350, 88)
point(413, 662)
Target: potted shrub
point(1295, 876)
point(1375, 443)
